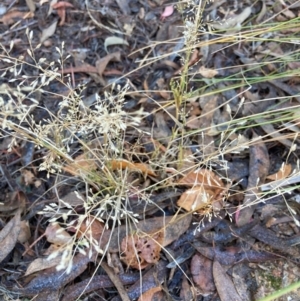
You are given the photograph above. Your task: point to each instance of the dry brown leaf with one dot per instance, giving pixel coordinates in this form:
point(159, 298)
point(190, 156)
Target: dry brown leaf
point(91, 227)
point(86, 68)
point(53, 280)
point(208, 73)
point(40, 264)
point(282, 173)
point(12, 16)
point(57, 235)
point(153, 294)
point(123, 164)
point(224, 284)
point(48, 32)
point(138, 251)
point(81, 165)
point(61, 4)
point(9, 235)
point(61, 10)
point(193, 122)
point(201, 270)
point(174, 227)
point(207, 189)
point(72, 199)
point(203, 177)
point(195, 198)
point(103, 62)
point(188, 291)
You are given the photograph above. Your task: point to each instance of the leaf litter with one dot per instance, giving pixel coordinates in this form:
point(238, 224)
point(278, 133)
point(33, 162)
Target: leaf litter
point(148, 140)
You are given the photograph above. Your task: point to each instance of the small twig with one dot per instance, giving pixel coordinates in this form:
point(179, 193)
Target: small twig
point(116, 281)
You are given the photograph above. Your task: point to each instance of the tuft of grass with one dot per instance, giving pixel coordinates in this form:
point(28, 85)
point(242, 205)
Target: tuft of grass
point(101, 132)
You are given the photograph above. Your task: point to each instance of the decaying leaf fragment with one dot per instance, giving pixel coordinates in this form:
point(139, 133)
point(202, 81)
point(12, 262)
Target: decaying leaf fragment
point(138, 251)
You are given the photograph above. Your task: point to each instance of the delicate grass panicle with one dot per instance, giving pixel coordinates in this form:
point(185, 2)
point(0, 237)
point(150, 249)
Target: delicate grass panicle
point(89, 141)
point(74, 124)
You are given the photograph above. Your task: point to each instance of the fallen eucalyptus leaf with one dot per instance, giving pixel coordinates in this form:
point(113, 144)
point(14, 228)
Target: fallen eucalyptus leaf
point(48, 32)
point(114, 41)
